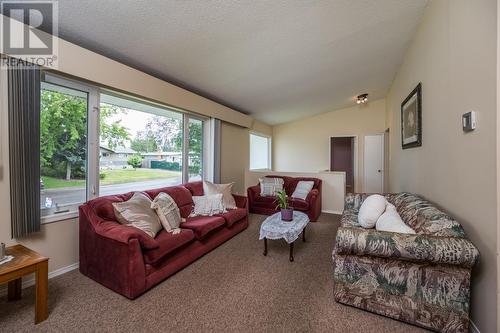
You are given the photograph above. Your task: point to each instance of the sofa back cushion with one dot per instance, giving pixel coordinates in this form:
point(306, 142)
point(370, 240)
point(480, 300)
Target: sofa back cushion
point(293, 181)
point(196, 188)
point(181, 195)
point(424, 217)
point(103, 206)
point(290, 183)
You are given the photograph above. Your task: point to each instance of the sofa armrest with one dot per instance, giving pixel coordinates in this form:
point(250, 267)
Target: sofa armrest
point(115, 231)
point(419, 248)
point(354, 200)
point(253, 191)
point(241, 201)
point(313, 195)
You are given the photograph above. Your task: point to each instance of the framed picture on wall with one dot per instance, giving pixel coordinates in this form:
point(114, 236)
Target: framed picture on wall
point(411, 119)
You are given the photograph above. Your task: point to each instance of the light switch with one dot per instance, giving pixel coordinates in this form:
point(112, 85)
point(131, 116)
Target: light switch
point(469, 121)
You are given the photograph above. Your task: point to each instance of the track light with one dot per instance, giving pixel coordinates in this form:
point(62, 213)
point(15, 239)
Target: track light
point(363, 98)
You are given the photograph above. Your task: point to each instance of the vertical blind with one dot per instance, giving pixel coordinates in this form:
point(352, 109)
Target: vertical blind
point(24, 147)
point(216, 148)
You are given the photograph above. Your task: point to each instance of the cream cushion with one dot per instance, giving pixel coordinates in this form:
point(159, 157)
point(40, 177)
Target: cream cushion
point(137, 212)
point(270, 186)
point(370, 210)
point(302, 190)
point(168, 212)
point(208, 205)
point(392, 222)
point(210, 188)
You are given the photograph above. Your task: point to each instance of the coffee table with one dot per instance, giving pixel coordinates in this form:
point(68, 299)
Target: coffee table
point(25, 262)
point(274, 227)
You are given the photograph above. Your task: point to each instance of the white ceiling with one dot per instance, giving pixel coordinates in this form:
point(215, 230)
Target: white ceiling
point(277, 60)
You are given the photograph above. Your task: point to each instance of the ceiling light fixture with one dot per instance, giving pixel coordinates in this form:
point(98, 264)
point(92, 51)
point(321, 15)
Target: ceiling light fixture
point(363, 98)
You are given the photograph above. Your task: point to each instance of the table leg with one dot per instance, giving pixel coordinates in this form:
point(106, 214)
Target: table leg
point(14, 289)
point(304, 235)
point(41, 308)
point(291, 251)
point(265, 246)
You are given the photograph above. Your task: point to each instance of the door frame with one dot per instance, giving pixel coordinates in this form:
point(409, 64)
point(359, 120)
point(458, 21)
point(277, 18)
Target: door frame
point(356, 156)
point(381, 134)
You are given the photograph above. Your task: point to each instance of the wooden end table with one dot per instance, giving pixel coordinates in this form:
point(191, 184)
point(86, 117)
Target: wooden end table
point(26, 262)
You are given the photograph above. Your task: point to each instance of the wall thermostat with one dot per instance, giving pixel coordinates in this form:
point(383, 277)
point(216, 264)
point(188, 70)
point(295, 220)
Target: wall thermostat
point(469, 121)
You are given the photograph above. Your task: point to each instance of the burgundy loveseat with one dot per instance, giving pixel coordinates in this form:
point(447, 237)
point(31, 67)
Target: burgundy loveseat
point(267, 204)
point(128, 261)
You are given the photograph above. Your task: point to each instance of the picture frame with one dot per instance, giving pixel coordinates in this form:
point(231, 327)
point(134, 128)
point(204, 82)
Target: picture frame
point(411, 119)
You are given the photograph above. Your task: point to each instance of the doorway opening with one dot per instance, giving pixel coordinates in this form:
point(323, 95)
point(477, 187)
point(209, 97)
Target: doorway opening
point(342, 158)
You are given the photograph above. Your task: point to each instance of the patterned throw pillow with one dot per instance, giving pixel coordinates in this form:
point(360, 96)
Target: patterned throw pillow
point(302, 190)
point(270, 186)
point(208, 205)
point(136, 212)
point(225, 189)
point(168, 212)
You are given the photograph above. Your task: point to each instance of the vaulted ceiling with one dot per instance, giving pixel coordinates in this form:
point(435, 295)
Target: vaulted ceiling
point(277, 60)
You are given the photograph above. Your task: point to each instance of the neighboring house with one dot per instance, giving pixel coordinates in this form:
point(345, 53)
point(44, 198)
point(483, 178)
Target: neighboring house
point(115, 158)
point(161, 156)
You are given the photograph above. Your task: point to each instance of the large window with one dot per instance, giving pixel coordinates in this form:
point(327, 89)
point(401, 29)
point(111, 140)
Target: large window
point(140, 146)
point(260, 152)
point(96, 143)
point(63, 149)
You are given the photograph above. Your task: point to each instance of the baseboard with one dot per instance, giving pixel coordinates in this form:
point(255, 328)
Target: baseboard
point(336, 212)
point(473, 327)
point(30, 281)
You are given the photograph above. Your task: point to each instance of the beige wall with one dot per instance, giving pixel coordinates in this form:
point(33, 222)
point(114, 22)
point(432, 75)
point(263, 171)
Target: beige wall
point(304, 145)
point(454, 56)
point(235, 153)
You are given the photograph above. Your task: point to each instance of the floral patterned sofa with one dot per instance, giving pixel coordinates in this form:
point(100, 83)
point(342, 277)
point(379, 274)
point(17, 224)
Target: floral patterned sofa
point(422, 278)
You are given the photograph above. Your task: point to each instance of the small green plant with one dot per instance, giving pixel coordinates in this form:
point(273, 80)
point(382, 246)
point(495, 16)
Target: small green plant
point(102, 175)
point(135, 161)
point(282, 200)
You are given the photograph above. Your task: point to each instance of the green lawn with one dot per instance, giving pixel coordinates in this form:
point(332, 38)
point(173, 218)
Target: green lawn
point(119, 176)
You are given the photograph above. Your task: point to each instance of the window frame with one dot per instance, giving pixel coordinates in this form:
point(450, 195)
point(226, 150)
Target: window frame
point(93, 136)
point(269, 151)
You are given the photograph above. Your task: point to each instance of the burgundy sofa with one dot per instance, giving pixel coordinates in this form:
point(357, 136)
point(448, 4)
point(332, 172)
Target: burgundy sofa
point(267, 205)
point(128, 261)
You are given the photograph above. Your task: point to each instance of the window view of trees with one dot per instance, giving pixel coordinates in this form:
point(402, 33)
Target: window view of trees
point(138, 150)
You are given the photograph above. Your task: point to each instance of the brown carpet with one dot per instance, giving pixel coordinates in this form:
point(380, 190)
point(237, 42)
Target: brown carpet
point(231, 289)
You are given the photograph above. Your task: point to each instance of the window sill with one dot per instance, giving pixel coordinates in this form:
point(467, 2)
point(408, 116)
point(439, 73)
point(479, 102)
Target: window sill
point(58, 217)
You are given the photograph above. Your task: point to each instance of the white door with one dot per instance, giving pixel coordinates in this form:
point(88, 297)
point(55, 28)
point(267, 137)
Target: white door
point(373, 161)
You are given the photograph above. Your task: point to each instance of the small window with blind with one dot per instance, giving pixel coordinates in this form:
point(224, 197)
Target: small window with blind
point(260, 152)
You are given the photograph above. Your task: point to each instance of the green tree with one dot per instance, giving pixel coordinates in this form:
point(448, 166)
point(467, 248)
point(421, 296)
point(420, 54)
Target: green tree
point(144, 142)
point(167, 132)
point(195, 145)
point(63, 133)
point(111, 131)
point(135, 161)
point(63, 128)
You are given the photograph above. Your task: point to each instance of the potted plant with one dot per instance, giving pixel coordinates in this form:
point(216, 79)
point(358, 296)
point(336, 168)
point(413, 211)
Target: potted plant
point(286, 210)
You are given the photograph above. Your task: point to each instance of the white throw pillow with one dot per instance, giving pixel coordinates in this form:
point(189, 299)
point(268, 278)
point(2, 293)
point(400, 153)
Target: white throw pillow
point(302, 190)
point(270, 186)
point(208, 205)
point(370, 210)
point(224, 189)
point(392, 222)
point(168, 212)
